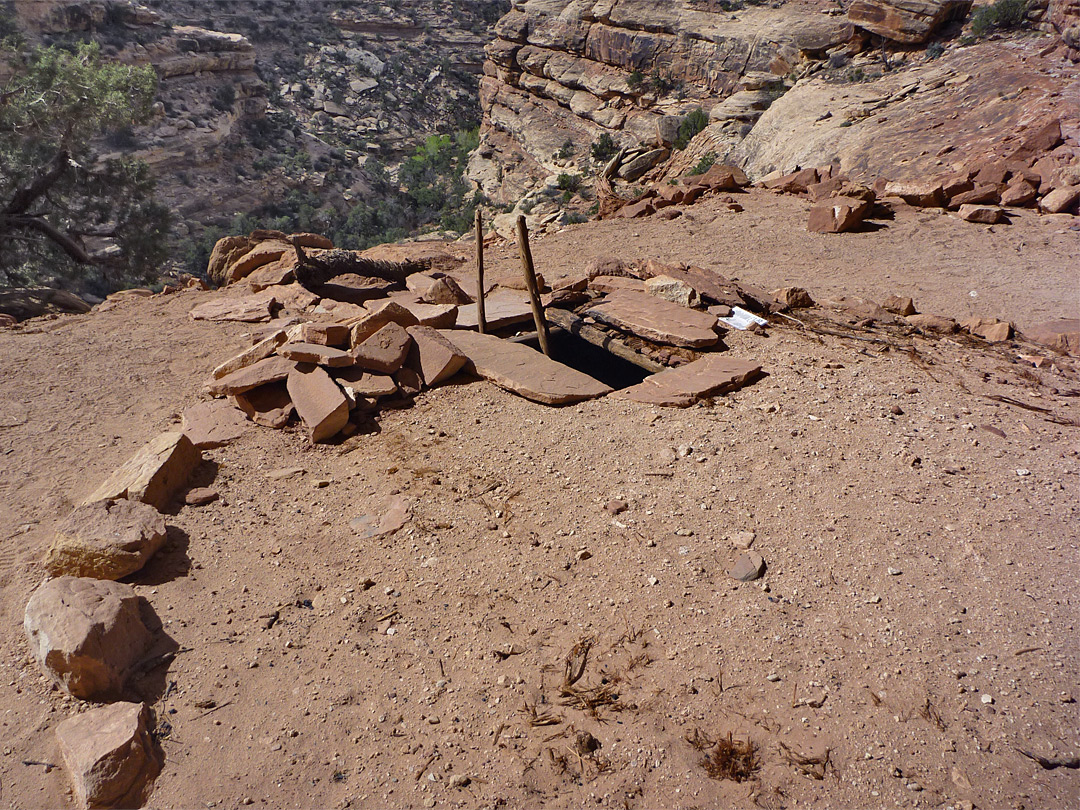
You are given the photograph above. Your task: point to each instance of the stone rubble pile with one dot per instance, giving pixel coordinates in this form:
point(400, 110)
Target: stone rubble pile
point(1037, 173)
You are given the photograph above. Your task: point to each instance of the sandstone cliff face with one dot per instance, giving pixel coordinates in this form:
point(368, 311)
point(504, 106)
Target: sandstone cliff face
point(784, 87)
point(570, 70)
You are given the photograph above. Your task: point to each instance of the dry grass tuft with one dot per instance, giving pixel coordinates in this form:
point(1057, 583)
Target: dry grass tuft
point(735, 760)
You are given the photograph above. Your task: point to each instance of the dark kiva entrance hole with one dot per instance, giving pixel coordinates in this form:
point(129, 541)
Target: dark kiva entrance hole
point(570, 350)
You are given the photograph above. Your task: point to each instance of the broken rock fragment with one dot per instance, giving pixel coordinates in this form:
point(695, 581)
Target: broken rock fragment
point(110, 755)
point(154, 473)
point(106, 540)
point(748, 567)
point(86, 634)
point(433, 357)
point(263, 372)
point(837, 215)
point(385, 351)
point(260, 351)
point(319, 402)
point(673, 290)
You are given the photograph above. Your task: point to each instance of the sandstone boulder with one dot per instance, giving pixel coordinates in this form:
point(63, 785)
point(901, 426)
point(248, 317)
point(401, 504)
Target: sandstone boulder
point(110, 755)
point(899, 306)
point(86, 634)
point(1020, 193)
point(837, 215)
point(982, 214)
point(445, 291)
point(319, 402)
point(154, 474)
point(226, 251)
point(106, 540)
point(907, 21)
point(924, 194)
point(793, 297)
point(1060, 200)
point(991, 329)
point(249, 309)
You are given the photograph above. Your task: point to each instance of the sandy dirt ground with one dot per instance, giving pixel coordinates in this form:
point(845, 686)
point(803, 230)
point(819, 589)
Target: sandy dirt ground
point(916, 626)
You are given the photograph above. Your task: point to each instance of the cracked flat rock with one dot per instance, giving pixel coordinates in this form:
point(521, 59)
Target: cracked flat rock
point(319, 402)
point(748, 567)
point(525, 371)
point(213, 424)
point(655, 319)
point(683, 386)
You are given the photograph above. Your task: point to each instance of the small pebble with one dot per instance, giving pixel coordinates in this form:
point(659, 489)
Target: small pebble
point(987, 699)
point(772, 677)
point(895, 572)
point(1023, 472)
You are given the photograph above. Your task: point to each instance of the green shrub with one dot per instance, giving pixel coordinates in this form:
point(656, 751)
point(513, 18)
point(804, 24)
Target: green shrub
point(635, 80)
point(691, 125)
point(566, 151)
point(934, 50)
point(703, 165)
point(569, 183)
point(604, 148)
point(1002, 15)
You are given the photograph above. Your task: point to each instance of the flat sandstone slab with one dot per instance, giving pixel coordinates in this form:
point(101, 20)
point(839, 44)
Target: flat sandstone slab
point(683, 386)
point(525, 371)
point(655, 319)
point(501, 308)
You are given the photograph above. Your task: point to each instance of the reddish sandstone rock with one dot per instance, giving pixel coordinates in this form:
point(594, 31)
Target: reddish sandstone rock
point(1020, 193)
point(795, 182)
point(212, 424)
point(908, 21)
point(924, 194)
point(838, 215)
point(106, 540)
point(991, 329)
point(1060, 200)
point(379, 315)
point(319, 402)
point(260, 351)
point(110, 755)
point(658, 320)
point(899, 306)
point(977, 196)
point(385, 351)
point(445, 290)
point(984, 214)
point(86, 634)
point(635, 210)
point(681, 387)
point(793, 297)
point(154, 474)
point(433, 357)
point(314, 353)
point(263, 372)
point(267, 405)
point(938, 324)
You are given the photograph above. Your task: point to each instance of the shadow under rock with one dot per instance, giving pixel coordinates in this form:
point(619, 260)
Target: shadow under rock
point(171, 561)
point(149, 679)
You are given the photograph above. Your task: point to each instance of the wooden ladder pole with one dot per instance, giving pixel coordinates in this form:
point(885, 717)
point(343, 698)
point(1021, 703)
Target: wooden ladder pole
point(531, 285)
point(481, 314)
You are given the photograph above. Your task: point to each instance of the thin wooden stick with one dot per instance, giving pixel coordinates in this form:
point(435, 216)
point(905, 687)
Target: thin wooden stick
point(530, 283)
point(481, 314)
